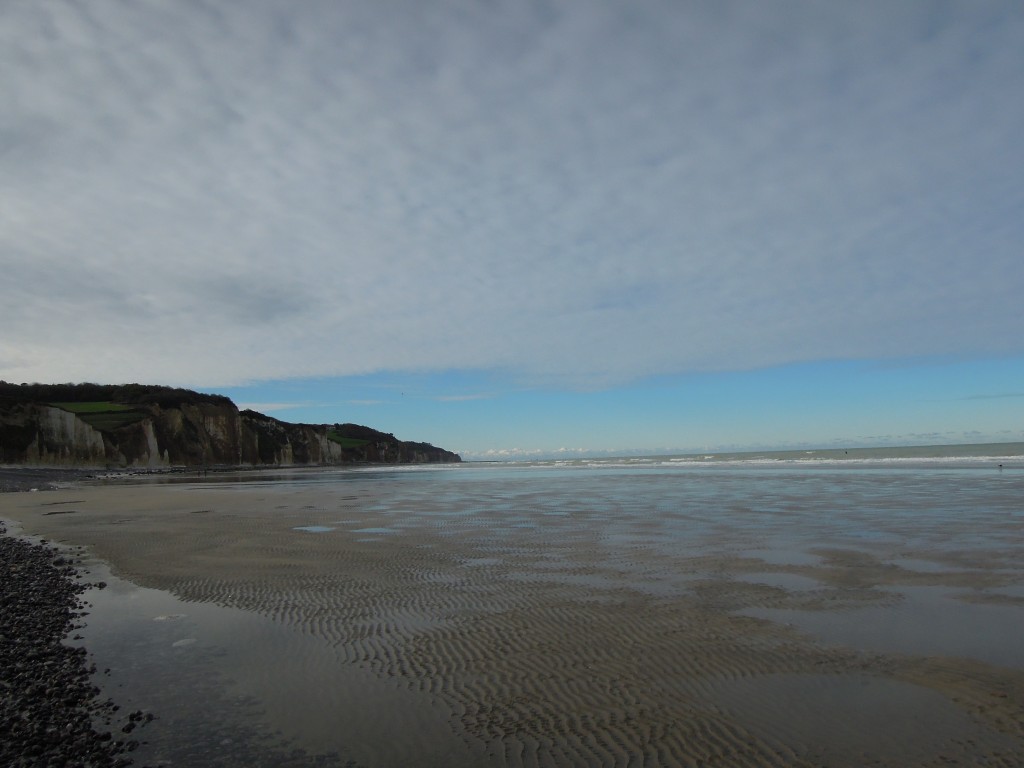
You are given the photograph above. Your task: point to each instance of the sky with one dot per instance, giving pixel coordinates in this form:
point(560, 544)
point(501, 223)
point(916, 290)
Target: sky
point(528, 228)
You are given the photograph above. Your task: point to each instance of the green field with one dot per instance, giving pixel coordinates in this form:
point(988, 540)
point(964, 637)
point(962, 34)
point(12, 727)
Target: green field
point(104, 416)
point(94, 407)
point(345, 442)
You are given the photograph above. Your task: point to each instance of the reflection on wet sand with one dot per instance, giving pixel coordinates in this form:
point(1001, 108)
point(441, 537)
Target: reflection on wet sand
point(600, 620)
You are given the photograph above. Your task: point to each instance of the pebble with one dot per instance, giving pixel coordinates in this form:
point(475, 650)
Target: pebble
point(49, 707)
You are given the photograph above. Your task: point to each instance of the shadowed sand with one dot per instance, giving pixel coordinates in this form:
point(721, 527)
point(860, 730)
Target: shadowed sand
point(526, 632)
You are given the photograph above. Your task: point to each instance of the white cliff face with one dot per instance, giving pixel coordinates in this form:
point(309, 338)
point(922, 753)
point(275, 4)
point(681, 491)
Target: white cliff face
point(319, 448)
point(152, 458)
point(330, 451)
point(220, 428)
point(174, 419)
point(286, 456)
point(155, 436)
point(63, 438)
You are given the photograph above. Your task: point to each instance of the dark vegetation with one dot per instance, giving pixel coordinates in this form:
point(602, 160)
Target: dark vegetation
point(123, 394)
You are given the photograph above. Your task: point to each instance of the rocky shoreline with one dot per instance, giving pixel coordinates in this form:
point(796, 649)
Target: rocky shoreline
point(13, 479)
point(51, 714)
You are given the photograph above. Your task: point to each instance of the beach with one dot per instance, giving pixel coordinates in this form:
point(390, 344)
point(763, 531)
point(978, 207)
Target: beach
point(559, 616)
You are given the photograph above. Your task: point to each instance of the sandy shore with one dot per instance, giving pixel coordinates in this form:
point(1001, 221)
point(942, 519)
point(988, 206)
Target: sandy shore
point(568, 641)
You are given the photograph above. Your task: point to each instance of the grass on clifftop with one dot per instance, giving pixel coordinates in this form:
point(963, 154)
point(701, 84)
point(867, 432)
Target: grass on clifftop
point(345, 442)
point(96, 407)
point(103, 415)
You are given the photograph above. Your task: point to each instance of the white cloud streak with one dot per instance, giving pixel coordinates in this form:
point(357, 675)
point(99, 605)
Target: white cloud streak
point(462, 398)
point(574, 193)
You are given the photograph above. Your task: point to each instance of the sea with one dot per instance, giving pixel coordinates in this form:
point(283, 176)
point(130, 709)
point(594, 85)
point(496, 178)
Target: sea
point(966, 456)
point(959, 455)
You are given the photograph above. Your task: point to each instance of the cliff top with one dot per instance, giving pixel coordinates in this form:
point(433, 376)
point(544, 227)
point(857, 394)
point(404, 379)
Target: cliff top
point(124, 394)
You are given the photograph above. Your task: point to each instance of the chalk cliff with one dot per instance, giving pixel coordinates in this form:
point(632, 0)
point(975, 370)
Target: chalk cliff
point(144, 426)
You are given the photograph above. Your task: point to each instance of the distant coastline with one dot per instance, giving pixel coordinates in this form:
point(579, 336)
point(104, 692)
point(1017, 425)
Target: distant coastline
point(155, 427)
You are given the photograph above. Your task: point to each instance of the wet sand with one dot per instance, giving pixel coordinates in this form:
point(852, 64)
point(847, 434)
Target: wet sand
point(388, 629)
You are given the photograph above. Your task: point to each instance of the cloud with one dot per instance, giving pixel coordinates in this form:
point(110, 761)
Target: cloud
point(994, 397)
point(575, 194)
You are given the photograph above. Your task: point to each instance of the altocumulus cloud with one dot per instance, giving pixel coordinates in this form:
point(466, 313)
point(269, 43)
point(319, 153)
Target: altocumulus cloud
point(576, 193)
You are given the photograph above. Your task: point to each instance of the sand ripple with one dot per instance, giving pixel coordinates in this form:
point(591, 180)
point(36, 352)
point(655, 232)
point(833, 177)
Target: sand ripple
point(577, 638)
